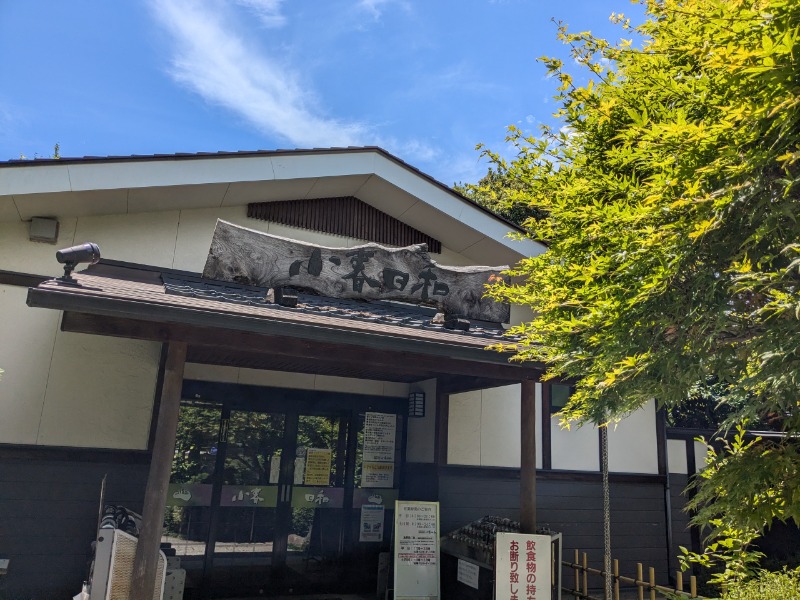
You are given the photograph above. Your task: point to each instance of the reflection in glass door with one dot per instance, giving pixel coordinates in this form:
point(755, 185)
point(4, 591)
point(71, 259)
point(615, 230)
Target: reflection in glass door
point(187, 515)
point(289, 493)
point(314, 537)
point(244, 523)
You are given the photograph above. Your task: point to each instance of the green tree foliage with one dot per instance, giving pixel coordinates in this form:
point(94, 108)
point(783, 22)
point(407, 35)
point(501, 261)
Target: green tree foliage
point(782, 585)
point(669, 201)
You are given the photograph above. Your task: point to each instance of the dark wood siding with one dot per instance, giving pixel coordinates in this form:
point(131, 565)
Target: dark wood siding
point(681, 535)
point(347, 216)
point(638, 526)
point(48, 518)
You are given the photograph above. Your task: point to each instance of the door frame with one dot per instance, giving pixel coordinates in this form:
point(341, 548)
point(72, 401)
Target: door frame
point(292, 403)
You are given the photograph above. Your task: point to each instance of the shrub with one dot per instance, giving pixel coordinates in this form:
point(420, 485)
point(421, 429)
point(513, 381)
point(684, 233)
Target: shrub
point(768, 585)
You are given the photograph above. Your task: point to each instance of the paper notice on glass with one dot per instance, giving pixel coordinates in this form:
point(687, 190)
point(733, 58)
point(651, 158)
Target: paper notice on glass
point(468, 573)
point(299, 470)
point(377, 475)
point(379, 437)
point(371, 523)
point(274, 468)
point(318, 466)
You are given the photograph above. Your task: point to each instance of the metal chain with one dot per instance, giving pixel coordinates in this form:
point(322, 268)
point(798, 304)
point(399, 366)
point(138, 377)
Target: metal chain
point(606, 514)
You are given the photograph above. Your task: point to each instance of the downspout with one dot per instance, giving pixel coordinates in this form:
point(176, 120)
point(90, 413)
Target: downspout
point(664, 464)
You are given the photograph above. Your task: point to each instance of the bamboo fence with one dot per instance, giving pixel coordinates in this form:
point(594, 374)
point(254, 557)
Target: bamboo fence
point(582, 570)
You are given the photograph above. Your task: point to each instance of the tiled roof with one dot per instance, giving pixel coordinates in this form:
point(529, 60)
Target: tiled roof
point(383, 312)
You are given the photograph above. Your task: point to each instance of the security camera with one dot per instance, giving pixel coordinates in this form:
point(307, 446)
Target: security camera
point(70, 257)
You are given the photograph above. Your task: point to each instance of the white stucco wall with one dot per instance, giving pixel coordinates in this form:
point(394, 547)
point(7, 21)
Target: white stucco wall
point(632, 442)
point(27, 337)
point(18, 253)
point(464, 429)
point(500, 427)
point(676, 455)
point(574, 449)
point(100, 392)
point(66, 389)
point(170, 239)
point(484, 428)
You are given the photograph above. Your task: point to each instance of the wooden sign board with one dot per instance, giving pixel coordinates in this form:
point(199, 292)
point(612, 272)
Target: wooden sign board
point(370, 272)
point(416, 550)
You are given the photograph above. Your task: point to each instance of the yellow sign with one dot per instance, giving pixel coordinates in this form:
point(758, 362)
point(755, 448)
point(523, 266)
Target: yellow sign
point(318, 466)
point(378, 475)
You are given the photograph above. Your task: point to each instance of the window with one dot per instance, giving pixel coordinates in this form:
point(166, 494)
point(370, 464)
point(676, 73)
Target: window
point(559, 395)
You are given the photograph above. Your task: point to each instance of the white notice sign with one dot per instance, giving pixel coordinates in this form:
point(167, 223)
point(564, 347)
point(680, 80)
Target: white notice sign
point(416, 550)
point(468, 573)
point(522, 567)
point(379, 437)
point(377, 475)
point(371, 523)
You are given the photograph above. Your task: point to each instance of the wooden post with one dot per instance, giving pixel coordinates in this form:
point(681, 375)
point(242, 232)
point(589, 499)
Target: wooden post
point(577, 572)
point(640, 580)
point(155, 497)
point(679, 581)
point(693, 586)
point(616, 579)
point(527, 471)
point(652, 574)
point(585, 569)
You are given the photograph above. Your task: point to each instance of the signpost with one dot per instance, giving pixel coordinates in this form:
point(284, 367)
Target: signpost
point(416, 550)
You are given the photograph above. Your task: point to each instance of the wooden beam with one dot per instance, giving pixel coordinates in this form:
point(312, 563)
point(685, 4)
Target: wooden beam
point(527, 487)
point(547, 424)
point(155, 498)
point(442, 426)
point(490, 364)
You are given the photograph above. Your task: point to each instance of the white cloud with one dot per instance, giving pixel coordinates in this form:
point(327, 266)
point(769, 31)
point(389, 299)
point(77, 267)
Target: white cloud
point(267, 11)
point(213, 60)
point(375, 7)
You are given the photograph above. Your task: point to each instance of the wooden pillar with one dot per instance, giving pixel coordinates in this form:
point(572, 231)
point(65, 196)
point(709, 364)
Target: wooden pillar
point(527, 487)
point(155, 497)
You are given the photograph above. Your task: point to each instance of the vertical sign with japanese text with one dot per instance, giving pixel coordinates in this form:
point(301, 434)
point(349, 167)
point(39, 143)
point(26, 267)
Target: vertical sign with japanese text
point(416, 550)
point(379, 447)
point(523, 567)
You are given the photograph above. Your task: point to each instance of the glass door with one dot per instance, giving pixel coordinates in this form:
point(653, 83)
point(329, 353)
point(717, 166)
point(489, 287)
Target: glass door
point(245, 503)
point(315, 511)
point(276, 491)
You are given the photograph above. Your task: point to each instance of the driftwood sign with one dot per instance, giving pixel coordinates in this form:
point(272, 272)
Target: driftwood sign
point(371, 272)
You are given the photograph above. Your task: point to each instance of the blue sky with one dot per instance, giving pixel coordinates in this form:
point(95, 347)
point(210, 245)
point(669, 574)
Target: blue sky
point(425, 79)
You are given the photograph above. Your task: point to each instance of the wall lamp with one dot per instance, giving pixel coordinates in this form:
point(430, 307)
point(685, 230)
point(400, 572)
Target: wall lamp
point(71, 257)
point(416, 404)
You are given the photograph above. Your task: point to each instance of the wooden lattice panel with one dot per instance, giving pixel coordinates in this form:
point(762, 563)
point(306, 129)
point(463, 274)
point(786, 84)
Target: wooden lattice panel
point(122, 557)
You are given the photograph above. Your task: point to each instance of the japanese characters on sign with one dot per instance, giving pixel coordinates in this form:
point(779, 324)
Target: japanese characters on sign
point(523, 569)
point(318, 466)
point(468, 573)
point(248, 496)
point(416, 550)
point(377, 469)
point(379, 437)
point(371, 271)
point(315, 497)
